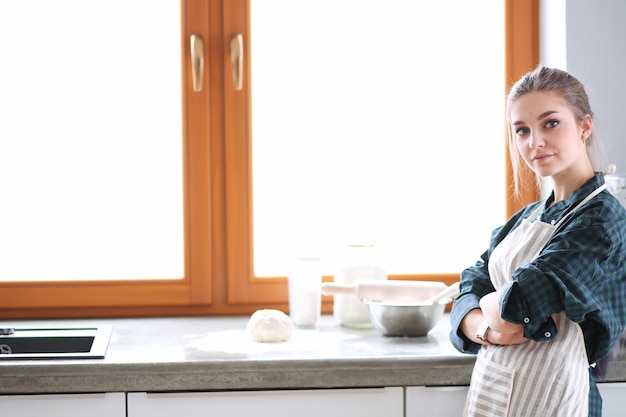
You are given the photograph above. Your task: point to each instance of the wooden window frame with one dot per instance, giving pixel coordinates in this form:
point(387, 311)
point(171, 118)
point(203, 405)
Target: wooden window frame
point(218, 274)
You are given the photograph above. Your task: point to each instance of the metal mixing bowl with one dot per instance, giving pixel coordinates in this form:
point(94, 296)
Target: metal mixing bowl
point(404, 320)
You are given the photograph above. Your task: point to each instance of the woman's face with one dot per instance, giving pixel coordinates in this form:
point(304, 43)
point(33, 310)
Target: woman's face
point(549, 138)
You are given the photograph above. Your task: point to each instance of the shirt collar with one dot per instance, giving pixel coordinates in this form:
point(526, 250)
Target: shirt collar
point(578, 195)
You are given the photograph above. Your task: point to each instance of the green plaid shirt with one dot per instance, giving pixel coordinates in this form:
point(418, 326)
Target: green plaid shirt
point(581, 270)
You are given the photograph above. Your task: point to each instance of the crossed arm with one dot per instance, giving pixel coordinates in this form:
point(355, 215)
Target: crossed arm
point(501, 331)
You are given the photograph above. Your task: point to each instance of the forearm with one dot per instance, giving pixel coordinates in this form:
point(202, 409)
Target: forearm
point(501, 332)
point(470, 323)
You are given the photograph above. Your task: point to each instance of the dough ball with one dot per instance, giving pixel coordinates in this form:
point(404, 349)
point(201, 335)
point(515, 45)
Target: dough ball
point(270, 325)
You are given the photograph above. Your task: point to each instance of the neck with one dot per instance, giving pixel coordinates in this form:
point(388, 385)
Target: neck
point(566, 183)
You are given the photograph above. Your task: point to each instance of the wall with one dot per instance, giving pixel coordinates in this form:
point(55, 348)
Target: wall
point(588, 38)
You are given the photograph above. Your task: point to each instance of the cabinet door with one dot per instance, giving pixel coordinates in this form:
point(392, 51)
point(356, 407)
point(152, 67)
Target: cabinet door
point(435, 401)
point(613, 395)
point(66, 405)
point(383, 402)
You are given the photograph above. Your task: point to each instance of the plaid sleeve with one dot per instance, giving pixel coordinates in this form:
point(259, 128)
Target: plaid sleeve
point(475, 283)
point(582, 270)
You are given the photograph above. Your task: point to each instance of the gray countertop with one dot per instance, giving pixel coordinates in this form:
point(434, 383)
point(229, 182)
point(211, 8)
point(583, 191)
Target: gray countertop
point(216, 353)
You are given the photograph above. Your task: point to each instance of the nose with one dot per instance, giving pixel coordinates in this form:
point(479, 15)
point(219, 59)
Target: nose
point(536, 140)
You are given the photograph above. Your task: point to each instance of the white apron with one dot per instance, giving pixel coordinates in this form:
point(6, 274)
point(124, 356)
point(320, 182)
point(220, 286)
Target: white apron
point(549, 378)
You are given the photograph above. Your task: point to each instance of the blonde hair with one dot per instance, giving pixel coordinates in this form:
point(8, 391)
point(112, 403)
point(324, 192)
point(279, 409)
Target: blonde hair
point(553, 80)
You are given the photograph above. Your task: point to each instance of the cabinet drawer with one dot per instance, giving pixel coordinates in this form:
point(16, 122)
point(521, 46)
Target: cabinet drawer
point(64, 405)
point(435, 401)
point(613, 395)
point(383, 402)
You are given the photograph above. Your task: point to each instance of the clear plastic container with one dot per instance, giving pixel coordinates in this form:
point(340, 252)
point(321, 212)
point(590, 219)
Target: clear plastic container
point(305, 291)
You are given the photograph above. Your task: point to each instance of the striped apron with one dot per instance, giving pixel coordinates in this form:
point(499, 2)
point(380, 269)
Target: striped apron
point(549, 378)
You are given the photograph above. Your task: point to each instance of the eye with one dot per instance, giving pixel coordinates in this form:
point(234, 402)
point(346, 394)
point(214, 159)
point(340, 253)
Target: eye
point(522, 131)
point(552, 124)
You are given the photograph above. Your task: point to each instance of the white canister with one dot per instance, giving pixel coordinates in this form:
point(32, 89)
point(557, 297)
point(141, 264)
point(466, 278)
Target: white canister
point(305, 291)
point(357, 262)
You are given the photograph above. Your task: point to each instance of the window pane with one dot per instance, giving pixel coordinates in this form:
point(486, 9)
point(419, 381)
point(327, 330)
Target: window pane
point(90, 140)
point(377, 122)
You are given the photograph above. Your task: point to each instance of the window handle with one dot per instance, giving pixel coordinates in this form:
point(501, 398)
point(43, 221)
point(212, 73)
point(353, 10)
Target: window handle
point(197, 61)
point(236, 59)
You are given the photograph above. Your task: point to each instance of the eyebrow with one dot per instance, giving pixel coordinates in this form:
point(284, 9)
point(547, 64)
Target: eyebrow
point(541, 116)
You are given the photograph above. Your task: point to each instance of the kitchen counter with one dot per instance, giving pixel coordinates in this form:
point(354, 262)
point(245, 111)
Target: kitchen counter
point(216, 353)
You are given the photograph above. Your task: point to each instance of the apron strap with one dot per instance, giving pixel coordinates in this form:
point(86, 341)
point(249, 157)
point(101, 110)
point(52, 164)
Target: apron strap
point(589, 197)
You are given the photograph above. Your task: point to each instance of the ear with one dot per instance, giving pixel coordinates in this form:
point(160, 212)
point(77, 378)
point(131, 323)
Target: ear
point(587, 127)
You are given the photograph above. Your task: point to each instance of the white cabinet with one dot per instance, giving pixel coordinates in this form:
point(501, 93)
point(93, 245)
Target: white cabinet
point(449, 401)
point(435, 401)
point(374, 402)
point(64, 405)
point(613, 395)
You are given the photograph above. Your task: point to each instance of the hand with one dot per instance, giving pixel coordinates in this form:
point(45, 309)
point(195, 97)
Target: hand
point(490, 307)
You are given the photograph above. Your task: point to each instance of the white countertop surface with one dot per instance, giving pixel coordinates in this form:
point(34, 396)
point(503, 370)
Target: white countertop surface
point(217, 353)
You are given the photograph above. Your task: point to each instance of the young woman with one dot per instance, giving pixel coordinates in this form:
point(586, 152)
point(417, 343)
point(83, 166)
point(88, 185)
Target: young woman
point(548, 298)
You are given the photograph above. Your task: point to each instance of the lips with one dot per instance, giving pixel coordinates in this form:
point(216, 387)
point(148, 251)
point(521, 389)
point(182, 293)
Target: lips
point(542, 157)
